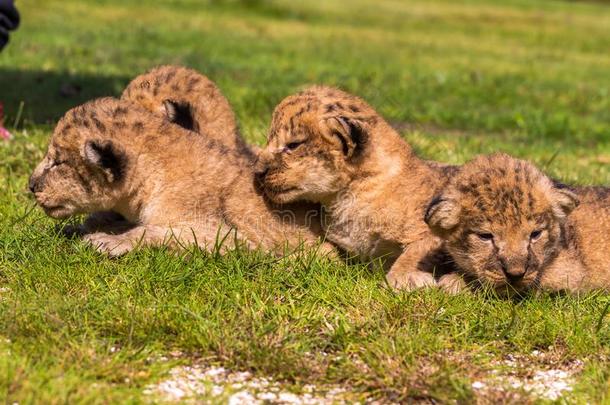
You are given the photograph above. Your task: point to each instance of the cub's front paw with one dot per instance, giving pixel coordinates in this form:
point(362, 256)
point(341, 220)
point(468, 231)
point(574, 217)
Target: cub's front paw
point(410, 280)
point(111, 245)
point(72, 231)
point(452, 283)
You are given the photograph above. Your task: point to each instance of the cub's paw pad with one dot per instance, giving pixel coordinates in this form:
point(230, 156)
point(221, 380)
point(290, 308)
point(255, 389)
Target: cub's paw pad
point(111, 245)
point(410, 281)
point(452, 283)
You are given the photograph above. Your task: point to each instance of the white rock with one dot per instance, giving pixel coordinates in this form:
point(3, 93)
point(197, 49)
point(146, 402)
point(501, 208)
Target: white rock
point(477, 385)
point(242, 398)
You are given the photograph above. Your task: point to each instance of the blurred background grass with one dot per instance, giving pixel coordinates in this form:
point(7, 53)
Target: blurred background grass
point(538, 69)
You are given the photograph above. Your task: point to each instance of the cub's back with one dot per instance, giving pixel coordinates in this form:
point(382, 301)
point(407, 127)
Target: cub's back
point(190, 100)
point(590, 224)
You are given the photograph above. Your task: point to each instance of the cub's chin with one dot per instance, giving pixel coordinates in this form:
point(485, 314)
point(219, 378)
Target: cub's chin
point(59, 211)
point(507, 288)
point(284, 196)
point(288, 196)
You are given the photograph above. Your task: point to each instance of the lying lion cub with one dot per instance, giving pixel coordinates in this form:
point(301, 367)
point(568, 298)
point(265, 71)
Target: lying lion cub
point(509, 226)
point(186, 98)
point(191, 100)
point(177, 186)
point(330, 147)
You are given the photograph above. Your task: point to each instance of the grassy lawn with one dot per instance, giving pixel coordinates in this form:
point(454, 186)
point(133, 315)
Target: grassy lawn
point(457, 78)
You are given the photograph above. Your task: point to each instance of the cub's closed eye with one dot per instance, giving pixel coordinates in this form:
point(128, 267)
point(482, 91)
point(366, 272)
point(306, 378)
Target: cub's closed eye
point(487, 237)
point(294, 145)
point(536, 234)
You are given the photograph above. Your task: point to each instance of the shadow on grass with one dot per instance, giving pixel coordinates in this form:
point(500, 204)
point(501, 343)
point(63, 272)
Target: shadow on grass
point(46, 96)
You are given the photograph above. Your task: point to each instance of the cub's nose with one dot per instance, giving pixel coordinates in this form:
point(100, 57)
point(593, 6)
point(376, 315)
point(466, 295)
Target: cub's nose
point(513, 272)
point(35, 185)
point(260, 174)
point(261, 168)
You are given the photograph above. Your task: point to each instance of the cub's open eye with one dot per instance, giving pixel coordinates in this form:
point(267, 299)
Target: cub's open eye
point(484, 236)
point(535, 235)
point(294, 145)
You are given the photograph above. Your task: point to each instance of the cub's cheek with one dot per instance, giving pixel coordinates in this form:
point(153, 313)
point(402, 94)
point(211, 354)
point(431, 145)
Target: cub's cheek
point(475, 248)
point(543, 246)
point(274, 180)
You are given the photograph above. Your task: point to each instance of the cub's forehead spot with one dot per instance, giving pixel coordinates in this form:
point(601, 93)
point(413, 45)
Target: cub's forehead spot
point(295, 107)
point(66, 140)
point(59, 152)
point(297, 123)
point(503, 195)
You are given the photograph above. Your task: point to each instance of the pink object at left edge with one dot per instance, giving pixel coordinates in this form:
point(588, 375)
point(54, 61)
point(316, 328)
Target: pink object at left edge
point(4, 134)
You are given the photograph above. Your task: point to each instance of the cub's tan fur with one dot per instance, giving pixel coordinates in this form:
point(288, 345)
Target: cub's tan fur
point(175, 185)
point(191, 100)
point(186, 98)
point(327, 146)
point(508, 225)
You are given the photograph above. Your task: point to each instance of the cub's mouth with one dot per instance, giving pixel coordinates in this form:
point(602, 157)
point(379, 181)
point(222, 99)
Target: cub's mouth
point(57, 211)
point(506, 288)
point(515, 288)
point(282, 194)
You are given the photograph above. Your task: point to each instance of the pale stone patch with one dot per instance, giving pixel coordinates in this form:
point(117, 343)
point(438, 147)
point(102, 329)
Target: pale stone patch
point(548, 382)
point(4, 291)
point(201, 384)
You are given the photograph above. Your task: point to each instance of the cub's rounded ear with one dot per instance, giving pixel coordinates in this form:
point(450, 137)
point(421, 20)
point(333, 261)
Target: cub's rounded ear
point(350, 134)
point(179, 114)
point(564, 201)
point(442, 215)
point(169, 110)
point(106, 157)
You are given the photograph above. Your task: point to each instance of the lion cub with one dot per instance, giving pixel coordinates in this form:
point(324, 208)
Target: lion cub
point(175, 185)
point(186, 98)
point(330, 147)
point(509, 226)
point(191, 100)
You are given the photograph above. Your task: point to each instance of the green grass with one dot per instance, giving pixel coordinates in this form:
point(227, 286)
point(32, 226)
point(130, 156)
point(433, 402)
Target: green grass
point(456, 77)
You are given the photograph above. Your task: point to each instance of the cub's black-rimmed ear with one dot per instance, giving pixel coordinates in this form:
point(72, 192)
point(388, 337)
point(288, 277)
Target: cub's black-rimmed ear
point(179, 113)
point(349, 132)
point(106, 157)
point(564, 201)
point(442, 215)
point(169, 110)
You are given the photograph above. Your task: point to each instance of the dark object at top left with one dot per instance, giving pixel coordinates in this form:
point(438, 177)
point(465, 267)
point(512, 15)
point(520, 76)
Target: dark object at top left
point(9, 20)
